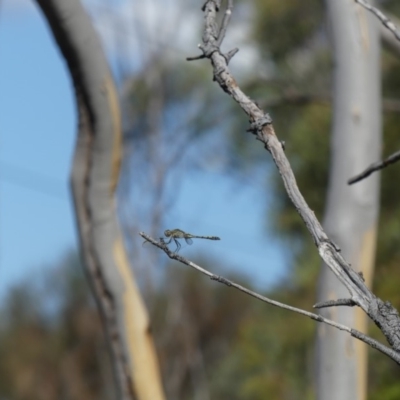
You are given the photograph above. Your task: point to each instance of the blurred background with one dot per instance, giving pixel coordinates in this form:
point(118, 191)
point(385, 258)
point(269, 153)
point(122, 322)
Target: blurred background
point(188, 164)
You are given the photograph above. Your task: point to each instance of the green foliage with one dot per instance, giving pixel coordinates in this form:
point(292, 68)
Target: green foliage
point(282, 26)
point(389, 230)
point(165, 100)
point(268, 358)
point(391, 6)
point(307, 148)
point(51, 341)
point(196, 323)
point(210, 338)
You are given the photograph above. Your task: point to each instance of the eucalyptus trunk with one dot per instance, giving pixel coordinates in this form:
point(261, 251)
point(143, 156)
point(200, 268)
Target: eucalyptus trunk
point(352, 211)
point(94, 178)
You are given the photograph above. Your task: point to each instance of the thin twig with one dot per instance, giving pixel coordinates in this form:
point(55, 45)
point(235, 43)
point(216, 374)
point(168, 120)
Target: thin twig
point(375, 167)
point(319, 318)
point(225, 22)
point(174, 256)
point(382, 17)
point(335, 303)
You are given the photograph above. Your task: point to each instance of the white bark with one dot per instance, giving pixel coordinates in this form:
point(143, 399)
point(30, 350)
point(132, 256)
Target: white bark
point(352, 211)
point(94, 179)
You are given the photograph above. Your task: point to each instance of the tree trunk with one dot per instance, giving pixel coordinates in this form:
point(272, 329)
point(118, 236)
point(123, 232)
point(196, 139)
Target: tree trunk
point(94, 179)
point(352, 211)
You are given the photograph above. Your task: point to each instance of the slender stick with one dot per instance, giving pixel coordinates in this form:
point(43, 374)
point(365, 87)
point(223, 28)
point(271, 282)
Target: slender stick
point(375, 167)
point(382, 17)
point(359, 335)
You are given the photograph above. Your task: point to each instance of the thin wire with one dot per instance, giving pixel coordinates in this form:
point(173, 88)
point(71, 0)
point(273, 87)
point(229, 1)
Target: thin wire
point(32, 180)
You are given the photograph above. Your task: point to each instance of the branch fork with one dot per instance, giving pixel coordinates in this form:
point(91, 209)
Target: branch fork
point(382, 313)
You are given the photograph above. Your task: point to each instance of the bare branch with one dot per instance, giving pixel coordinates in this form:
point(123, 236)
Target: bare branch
point(225, 22)
point(335, 303)
point(366, 339)
point(261, 126)
point(382, 313)
point(389, 40)
point(375, 167)
point(174, 256)
point(382, 17)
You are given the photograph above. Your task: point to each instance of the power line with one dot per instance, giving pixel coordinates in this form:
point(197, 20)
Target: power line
point(33, 180)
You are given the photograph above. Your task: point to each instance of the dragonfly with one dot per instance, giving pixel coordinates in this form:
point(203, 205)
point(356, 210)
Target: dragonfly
point(176, 234)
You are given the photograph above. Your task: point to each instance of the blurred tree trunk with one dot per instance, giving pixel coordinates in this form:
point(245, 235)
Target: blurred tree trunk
point(352, 211)
point(94, 179)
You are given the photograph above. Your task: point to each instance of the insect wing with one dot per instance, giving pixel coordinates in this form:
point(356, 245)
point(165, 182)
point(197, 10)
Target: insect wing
point(188, 240)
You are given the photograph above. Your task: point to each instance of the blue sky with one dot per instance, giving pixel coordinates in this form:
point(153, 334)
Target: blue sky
point(36, 141)
point(37, 135)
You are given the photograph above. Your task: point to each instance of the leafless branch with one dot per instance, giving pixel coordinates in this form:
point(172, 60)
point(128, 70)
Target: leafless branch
point(359, 335)
point(225, 22)
point(382, 17)
point(335, 303)
point(389, 40)
point(382, 313)
point(375, 167)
